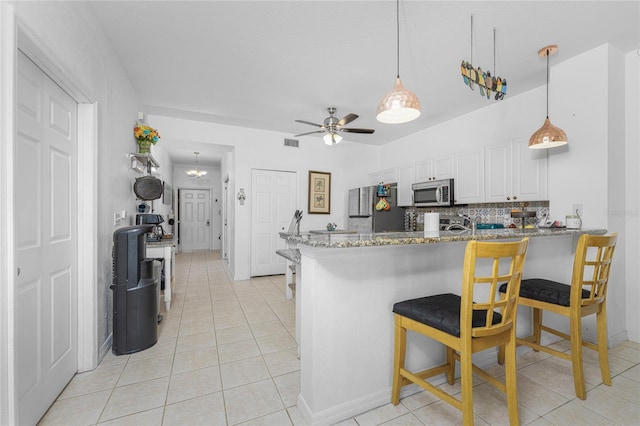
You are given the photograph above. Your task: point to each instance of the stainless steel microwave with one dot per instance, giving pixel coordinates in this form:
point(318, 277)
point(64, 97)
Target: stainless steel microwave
point(434, 193)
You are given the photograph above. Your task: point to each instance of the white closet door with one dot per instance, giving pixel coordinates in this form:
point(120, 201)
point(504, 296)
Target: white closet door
point(46, 241)
point(273, 203)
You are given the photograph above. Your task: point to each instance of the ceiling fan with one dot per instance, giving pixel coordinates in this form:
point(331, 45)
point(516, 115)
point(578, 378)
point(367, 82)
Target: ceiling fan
point(332, 125)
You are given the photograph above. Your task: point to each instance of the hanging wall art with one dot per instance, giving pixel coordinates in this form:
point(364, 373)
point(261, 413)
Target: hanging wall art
point(488, 84)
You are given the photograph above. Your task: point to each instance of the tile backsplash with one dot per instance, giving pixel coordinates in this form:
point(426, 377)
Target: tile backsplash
point(481, 213)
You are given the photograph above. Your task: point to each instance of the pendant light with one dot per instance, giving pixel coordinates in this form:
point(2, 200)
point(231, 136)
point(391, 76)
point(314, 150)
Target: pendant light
point(195, 172)
point(548, 136)
point(399, 105)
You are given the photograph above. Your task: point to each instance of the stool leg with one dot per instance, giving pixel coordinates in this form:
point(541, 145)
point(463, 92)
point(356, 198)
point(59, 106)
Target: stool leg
point(575, 330)
point(603, 352)
point(510, 379)
point(466, 379)
point(400, 347)
point(451, 372)
point(537, 325)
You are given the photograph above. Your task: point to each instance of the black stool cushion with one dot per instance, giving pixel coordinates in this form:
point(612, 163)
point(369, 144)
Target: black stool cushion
point(441, 311)
point(545, 291)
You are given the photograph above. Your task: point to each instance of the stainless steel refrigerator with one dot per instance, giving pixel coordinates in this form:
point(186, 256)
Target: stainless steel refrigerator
point(363, 216)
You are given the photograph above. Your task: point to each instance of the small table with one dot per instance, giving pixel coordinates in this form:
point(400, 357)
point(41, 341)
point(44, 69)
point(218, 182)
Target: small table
point(166, 249)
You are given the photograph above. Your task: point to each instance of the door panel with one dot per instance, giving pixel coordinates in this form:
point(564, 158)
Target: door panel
point(274, 196)
point(46, 241)
point(194, 219)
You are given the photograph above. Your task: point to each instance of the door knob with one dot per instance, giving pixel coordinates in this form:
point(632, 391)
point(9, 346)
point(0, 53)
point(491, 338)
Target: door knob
point(208, 222)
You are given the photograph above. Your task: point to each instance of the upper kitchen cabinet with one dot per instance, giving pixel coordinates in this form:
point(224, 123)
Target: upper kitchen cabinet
point(384, 176)
point(469, 177)
point(513, 172)
point(375, 178)
point(434, 169)
point(405, 175)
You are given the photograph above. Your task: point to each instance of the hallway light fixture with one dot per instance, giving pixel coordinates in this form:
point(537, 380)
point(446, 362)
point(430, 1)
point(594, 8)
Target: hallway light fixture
point(196, 173)
point(548, 136)
point(399, 105)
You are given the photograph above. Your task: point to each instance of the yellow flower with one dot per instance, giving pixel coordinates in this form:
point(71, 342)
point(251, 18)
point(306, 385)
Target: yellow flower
point(146, 133)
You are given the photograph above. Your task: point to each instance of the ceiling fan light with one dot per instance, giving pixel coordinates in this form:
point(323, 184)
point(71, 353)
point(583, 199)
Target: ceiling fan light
point(548, 136)
point(332, 138)
point(400, 105)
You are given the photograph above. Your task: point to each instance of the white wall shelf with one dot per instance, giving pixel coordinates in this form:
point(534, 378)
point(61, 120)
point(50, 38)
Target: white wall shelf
point(142, 162)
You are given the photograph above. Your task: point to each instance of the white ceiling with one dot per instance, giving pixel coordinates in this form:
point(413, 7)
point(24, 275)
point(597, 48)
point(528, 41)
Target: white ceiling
point(263, 64)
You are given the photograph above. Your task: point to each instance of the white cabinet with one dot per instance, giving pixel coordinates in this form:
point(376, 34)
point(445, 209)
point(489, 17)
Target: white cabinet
point(384, 176)
point(513, 172)
point(375, 178)
point(405, 175)
point(434, 169)
point(389, 175)
point(469, 177)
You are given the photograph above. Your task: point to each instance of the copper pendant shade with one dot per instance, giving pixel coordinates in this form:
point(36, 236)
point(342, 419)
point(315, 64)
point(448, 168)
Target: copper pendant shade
point(548, 136)
point(399, 105)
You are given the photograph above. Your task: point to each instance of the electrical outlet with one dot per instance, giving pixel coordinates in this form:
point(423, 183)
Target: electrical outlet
point(577, 209)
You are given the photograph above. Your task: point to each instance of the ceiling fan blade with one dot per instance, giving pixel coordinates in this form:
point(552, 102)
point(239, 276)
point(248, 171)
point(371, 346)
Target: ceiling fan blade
point(354, 130)
point(308, 122)
point(308, 133)
point(347, 119)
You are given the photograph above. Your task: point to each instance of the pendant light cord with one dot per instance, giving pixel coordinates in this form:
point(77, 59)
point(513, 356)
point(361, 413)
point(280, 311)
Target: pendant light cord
point(548, 83)
point(398, 37)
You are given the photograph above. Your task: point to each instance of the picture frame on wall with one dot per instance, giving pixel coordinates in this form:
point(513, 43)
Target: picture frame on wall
point(319, 192)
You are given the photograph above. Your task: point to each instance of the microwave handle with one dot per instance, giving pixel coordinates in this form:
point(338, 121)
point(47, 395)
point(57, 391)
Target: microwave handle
point(438, 195)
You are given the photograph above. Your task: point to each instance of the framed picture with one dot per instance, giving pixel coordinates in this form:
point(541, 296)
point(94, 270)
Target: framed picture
point(319, 192)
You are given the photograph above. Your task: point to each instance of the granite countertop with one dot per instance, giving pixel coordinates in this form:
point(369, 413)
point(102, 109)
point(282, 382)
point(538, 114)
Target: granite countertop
point(406, 238)
point(165, 242)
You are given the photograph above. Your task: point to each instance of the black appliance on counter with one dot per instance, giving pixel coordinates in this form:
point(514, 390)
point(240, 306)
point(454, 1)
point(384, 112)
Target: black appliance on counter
point(365, 218)
point(135, 291)
point(157, 231)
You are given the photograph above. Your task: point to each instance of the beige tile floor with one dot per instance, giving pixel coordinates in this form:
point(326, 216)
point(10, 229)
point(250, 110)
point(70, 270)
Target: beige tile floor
point(226, 355)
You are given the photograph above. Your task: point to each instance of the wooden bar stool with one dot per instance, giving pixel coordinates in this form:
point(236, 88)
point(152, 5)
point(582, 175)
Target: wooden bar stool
point(461, 323)
point(586, 295)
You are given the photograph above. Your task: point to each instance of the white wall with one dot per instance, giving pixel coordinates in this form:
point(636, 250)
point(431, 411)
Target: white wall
point(69, 34)
point(347, 162)
point(632, 195)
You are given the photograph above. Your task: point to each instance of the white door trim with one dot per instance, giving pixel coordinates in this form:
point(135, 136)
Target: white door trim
point(15, 35)
point(8, 53)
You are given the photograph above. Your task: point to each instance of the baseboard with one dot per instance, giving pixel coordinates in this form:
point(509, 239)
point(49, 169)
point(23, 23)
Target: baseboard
point(352, 408)
point(618, 338)
point(106, 347)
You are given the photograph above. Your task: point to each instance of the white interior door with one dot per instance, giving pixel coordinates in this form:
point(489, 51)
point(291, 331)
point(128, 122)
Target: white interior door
point(273, 203)
point(194, 219)
point(46, 241)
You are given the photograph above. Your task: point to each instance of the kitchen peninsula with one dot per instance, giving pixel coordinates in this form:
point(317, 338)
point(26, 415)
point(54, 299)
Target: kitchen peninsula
point(347, 285)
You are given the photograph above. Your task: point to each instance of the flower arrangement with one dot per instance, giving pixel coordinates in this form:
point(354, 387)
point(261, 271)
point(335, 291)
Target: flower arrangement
point(145, 136)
